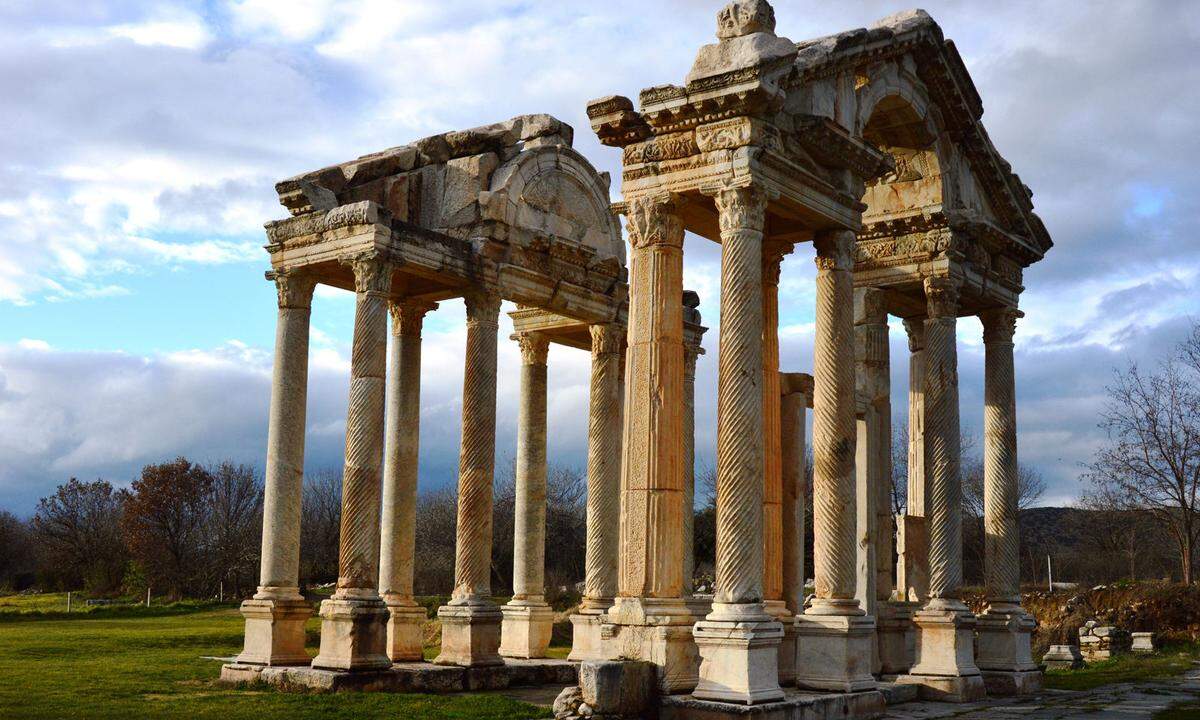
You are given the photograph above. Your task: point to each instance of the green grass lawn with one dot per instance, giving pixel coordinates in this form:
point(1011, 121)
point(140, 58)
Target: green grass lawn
point(1171, 662)
point(130, 665)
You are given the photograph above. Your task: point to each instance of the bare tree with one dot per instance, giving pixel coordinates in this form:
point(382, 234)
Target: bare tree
point(437, 513)
point(234, 525)
point(1030, 486)
point(78, 528)
point(321, 516)
point(17, 561)
point(1152, 458)
point(164, 518)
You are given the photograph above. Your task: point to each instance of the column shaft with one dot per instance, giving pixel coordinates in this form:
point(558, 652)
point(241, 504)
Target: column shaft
point(652, 468)
point(834, 440)
point(604, 467)
point(739, 571)
point(915, 503)
point(284, 481)
point(358, 554)
point(400, 463)
point(1000, 478)
point(690, 353)
point(476, 463)
point(772, 462)
point(943, 503)
point(796, 389)
point(529, 526)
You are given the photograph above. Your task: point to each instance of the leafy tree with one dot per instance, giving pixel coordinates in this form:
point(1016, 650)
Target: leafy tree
point(234, 526)
point(78, 529)
point(164, 523)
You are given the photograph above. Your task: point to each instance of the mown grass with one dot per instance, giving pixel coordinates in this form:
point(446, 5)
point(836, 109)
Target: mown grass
point(93, 665)
point(1170, 662)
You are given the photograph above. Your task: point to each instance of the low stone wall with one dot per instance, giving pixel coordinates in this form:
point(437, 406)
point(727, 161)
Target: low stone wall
point(1101, 642)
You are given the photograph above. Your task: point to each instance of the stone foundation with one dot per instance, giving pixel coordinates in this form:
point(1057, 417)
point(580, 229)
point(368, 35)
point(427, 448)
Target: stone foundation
point(470, 635)
point(835, 652)
point(525, 630)
point(586, 643)
point(1003, 683)
point(1061, 657)
point(409, 677)
point(353, 635)
point(794, 706)
point(275, 632)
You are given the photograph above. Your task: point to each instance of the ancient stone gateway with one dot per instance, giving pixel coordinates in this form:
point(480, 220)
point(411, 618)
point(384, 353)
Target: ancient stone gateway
point(867, 144)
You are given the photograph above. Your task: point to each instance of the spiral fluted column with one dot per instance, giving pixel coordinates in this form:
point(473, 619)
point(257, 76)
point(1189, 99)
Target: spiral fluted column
point(471, 622)
point(353, 632)
point(398, 533)
point(603, 492)
point(275, 615)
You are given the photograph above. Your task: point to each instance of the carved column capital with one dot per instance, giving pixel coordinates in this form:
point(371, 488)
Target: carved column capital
point(915, 327)
point(870, 307)
point(408, 316)
point(999, 324)
point(835, 250)
point(294, 288)
point(941, 296)
point(773, 252)
point(372, 273)
point(741, 208)
point(654, 221)
point(483, 308)
point(606, 338)
point(691, 353)
point(534, 347)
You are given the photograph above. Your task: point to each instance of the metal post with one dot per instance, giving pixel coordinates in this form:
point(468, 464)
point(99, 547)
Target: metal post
point(68, 601)
point(1049, 574)
point(147, 597)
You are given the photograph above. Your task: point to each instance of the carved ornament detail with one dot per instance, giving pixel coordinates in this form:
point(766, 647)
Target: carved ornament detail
point(372, 273)
point(409, 316)
point(654, 221)
point(294, 289)
point(835, 250)
point(741, 208)
point(483, 308)
point(606, 338)
point(941, 296)
point(534, 347)
point(663, 147)
point(999, 324)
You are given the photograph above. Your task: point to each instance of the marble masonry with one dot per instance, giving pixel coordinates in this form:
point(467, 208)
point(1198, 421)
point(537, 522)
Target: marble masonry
point(869, 145)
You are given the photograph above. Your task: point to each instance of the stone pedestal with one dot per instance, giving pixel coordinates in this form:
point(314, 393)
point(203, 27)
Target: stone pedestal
point(738, 657)
point(778, 610)
point(1063, 657)
point(525, 629)
point(658, 631)
point(834, 651)
point(945, 658)
point(1003, 654)
point(405, 631)
point(586, 640)
point(353, 634)
point(275, 631)
point(470, 635)
point(896, 638)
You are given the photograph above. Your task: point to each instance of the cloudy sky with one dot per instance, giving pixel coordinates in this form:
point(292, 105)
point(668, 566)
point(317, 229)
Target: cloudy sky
point(142, 139)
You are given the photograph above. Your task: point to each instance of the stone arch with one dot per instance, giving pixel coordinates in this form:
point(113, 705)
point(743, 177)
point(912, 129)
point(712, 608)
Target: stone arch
point(555, 190)
point(895, 117)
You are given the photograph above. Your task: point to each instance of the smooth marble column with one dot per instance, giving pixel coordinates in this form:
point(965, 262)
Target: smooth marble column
point(945, 656)
point(739, 640)
point(398, 538)
point(690, 354)
point(354, 618)
point(276, 614)
point(835, 634)
point(912, 568)
point(471, 622)
point(773, 253)
point(528, 619)
point(603, 493)
point(796, 390)
point(1004, 629)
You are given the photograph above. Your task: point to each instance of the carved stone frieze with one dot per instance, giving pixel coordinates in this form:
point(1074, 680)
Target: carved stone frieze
point(663, 147)
point(737, 132)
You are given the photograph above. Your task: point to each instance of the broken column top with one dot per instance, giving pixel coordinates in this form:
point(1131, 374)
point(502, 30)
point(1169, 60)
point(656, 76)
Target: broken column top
point(746, 38)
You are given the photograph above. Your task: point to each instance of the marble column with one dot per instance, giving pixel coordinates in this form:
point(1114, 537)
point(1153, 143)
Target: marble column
point(835, 634)
point(275, 616)
point(945, 656)
point(603, 492)
point(912, 567)
point(398, 537)
point(795, 391)
point(528, 619)
point(739, 640)
point(649, 620)
point(354, 618)
point(691, 353)
point(1004, 629)
point(470, 621)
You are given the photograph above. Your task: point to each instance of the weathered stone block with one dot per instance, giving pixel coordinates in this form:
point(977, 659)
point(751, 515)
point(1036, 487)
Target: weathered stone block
point(1063, 656)
point(621, 688)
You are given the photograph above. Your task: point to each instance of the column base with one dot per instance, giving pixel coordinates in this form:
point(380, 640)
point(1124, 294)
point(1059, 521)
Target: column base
point(1000, 683)
point(470, 635)
point(834, 651)
point(525, 629)
point(586, 643)
point(353, 634)
point(778, 610)
point(275, 631)
point(658, 631)
point(896, 637)
point(1003, 640)
point(945, 658)
point(739, 655)
point(405, 631)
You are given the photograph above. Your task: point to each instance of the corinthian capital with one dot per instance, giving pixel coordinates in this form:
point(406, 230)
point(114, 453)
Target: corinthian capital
point(835, 249)
point(741, 208)
point(941, 296)
point(606, 338)
point(654, 221)
point(372, 273)
point(999, 324)
point(534, 347)
point(483, 308)
point(773, 252)
point(294, 288)
point(915, 327)
point(408, 316)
